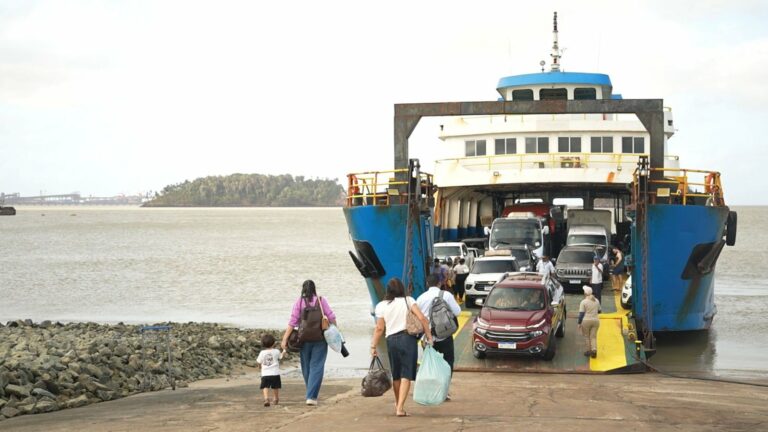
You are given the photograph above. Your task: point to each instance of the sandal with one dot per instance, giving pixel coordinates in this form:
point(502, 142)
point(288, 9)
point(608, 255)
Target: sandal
point(403, 414)
point(266, 402)
point(276, 401)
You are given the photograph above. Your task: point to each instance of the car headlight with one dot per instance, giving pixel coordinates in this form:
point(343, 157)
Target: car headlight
point(537, 325)
point(536, 333)
point(481, 331)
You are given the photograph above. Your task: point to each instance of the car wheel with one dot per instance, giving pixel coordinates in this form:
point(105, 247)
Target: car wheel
point(478, 354)
point(549, 354)
point(561, 329)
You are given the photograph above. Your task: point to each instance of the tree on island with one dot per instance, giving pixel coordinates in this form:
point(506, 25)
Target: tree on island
point(250, 190)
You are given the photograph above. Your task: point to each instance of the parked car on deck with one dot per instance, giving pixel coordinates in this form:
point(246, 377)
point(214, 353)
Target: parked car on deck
point(453, 250)
point(626, 294)
point(521, 315)
point(485, 272)
point(524, 256)
point(574, 265)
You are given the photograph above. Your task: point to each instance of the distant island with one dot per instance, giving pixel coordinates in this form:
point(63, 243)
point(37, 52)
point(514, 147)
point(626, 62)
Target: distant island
point(250, 190)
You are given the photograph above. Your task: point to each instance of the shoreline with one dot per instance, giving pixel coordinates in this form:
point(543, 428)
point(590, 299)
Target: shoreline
point(47, 366)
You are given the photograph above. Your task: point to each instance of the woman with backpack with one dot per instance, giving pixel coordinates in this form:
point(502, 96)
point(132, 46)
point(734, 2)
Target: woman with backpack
point(314, 349)
point(391, 319)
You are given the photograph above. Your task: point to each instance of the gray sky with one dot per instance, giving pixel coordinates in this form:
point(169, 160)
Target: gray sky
point(123, 97)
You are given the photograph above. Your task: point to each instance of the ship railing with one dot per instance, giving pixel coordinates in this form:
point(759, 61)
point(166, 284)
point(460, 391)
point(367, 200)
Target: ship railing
point(615, 161)
point(686, 187)
point(381, 187)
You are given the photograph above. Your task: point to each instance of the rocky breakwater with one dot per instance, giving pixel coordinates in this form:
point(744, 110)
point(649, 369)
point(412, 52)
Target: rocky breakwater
point(51, 366)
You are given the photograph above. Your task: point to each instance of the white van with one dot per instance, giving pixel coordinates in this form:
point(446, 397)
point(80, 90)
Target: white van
point(453, 250)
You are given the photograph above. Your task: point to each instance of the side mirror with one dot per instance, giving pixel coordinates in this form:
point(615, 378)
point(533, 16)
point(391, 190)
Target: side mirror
point(478, 302)
point(545, 230)
point(537, 244)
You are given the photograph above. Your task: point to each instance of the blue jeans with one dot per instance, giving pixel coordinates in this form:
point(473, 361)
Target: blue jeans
point(312, 357)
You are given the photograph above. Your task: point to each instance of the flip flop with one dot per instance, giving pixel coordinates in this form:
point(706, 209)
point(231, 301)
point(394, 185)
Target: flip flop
point(404, 414)
point(276, 401)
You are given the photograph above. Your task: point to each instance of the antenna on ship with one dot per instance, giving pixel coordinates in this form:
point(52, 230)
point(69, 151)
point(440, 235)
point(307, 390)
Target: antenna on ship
point(555, 49)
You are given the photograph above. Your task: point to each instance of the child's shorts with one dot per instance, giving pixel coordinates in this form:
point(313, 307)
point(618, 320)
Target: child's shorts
point(271, 381)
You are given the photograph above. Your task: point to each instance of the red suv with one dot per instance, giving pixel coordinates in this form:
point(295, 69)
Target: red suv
point(520, 315)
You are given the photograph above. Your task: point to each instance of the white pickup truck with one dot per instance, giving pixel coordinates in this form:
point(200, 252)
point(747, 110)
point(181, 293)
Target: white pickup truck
point(454, 250)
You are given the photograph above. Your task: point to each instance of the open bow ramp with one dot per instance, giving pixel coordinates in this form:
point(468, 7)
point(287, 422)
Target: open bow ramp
point(616, 348)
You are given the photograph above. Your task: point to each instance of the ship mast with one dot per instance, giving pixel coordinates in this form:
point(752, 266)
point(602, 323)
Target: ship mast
point(555, 49)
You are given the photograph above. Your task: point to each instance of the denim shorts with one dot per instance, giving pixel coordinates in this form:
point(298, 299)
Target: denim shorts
point(403, 355)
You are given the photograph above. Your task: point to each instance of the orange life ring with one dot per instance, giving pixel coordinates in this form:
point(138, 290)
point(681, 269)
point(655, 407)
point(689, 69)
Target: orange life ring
point(353, 185)
point(709, 183)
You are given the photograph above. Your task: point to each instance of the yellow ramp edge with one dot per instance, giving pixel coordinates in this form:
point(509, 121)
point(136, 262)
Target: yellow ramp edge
point(611, 351)
point(463, 318)
point(610, 346)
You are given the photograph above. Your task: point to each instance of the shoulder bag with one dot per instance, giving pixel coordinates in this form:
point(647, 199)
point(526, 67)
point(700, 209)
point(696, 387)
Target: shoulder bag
point(413, 325)
point(324, 324)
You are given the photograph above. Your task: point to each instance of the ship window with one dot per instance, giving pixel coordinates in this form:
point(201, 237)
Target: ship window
point(639, 144)
point(585, 94)
point(537, 145)
point(522, 95)
point(553, 94)
point(601, 145)
point(569, 144)
point(632, 145)
point(475, 147)
point(506, 146)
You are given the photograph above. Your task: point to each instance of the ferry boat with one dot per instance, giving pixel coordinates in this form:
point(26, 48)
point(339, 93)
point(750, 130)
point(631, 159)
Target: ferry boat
point(553, 138)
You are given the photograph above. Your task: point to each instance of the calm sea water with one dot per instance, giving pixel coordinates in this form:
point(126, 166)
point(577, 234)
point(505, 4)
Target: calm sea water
point(245, 267)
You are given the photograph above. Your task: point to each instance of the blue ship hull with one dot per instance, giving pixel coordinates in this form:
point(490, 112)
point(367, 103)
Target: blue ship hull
point(384, 229)
point(683, 245)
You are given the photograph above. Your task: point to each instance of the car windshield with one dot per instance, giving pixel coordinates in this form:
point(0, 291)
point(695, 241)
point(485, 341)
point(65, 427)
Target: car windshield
point(494, 266)
point(515, 232)
point(572, 256)
point(593, 239)
point(446, 251)
point(516, 299)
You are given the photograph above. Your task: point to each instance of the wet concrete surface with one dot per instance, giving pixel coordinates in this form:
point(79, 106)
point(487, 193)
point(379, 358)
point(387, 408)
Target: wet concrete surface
point(481, 401)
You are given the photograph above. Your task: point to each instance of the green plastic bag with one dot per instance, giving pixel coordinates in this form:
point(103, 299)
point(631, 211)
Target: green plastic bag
point(432, 379)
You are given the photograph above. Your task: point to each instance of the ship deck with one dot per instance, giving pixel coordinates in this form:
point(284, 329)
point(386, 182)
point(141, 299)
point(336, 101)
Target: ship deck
point(616, 351)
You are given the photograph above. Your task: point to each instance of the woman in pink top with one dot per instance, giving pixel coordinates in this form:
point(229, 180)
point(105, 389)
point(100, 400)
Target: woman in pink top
point(312, 354)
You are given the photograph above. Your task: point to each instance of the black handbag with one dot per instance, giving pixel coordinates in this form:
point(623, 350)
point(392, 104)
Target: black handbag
point(377, 381)
point(294, 344)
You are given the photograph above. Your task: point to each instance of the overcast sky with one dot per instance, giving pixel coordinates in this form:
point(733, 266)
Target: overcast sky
point(108, 97)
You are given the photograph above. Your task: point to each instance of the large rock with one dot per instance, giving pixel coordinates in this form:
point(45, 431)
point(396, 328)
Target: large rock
point(77, 402)
point(42, 393)
point(93, 371)
point(17, 390)
point(9, 412)
point(45, 406)
point(105, 395)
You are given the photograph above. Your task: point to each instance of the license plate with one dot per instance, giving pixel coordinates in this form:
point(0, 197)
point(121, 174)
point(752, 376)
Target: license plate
point(574, 281)
point(507, 345)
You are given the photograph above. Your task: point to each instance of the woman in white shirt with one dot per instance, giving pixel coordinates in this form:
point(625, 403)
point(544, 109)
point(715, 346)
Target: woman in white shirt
point(391, 314)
